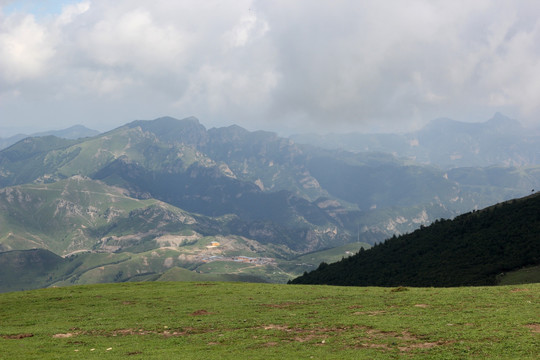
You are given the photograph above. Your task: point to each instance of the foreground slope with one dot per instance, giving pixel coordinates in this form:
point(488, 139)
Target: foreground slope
point(472, 249)
point(264, 321)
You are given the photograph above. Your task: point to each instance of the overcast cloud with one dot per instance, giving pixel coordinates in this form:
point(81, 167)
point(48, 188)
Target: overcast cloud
point(277, 65)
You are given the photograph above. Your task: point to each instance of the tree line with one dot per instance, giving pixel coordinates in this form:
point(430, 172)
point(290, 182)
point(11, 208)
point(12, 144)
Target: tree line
point(470, 250)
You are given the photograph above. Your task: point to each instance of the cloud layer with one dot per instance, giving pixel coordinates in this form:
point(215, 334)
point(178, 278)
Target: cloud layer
point(279, 65)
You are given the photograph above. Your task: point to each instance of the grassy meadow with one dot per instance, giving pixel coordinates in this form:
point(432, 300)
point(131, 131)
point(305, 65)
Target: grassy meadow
point(218, 320)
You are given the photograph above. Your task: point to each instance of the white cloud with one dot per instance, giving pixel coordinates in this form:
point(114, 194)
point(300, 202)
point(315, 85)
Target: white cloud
point(26, 49)
point(134, 39)
point(342, 65)
point(249, 28)
point(71, 11)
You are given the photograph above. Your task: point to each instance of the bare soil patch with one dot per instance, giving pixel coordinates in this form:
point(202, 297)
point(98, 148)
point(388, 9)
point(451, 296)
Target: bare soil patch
point(535, 328)
point(276, 327)
point(426, 345)
point(375, 346)
point(370, 313)
point(319, 335)
point(519, 290)
point(200, 313)
point(404, 341)
point(399, 289)
point(284, 305)
point(142, 332)
point(17, 336)
point(62, 336)
point(128, 332)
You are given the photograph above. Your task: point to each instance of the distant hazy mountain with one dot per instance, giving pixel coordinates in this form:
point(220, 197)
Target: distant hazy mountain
point(447, 143)
point(5, 142)
point(73, 132)
point(473, 249)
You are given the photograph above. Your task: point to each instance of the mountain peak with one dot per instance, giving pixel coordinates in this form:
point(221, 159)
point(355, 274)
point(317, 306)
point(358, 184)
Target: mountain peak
point(499, 123)
point(502, 120)
point(232, 132)
point(188, 130)
point(446, 125)
point(73, 132)
point(189, 119)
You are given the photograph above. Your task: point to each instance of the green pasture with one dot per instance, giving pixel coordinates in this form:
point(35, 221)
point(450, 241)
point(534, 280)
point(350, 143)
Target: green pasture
point(218, 320)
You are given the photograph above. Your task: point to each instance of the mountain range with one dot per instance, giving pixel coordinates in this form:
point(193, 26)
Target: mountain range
point(153, 198)
point(73, 132)
point(447, 143)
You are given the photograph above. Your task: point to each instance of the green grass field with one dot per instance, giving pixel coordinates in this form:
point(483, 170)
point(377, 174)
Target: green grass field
point(166, 320)
point(527, 275)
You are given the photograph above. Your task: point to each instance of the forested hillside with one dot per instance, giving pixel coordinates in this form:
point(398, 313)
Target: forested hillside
point(472, 249)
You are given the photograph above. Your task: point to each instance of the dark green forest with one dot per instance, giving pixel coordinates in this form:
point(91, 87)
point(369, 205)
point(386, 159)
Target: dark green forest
point(472, 249)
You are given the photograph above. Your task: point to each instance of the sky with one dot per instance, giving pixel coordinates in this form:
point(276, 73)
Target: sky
point(281, 65)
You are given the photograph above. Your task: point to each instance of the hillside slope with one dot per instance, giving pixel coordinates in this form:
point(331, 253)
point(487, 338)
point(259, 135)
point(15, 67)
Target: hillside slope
point(103, 235)
point(472, 249)
point(23, 269)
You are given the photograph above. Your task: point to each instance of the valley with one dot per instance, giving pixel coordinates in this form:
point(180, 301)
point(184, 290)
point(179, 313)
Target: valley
point(147, 200)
